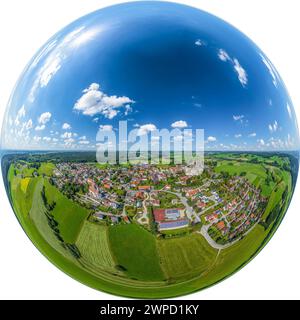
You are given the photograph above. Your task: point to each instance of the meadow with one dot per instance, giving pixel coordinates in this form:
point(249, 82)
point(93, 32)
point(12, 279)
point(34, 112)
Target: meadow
point(135, 251)
point(185, 257)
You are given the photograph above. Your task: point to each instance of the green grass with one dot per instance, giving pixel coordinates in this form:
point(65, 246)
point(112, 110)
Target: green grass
point(274, 198)
point(135, 250)
point(185, 257)
point(93, 245)
point(46, 168)
point(69, 215)
point(255, 173)
point(39, 219)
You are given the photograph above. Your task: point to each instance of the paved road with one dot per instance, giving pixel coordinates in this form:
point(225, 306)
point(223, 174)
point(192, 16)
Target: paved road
point(189, 210)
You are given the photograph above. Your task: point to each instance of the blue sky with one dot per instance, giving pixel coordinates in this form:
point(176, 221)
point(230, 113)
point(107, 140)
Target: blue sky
point(156, 65)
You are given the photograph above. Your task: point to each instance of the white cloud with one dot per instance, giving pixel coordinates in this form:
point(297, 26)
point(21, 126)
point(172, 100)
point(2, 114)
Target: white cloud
point(40, 128)
point(67, 135)
point(54, 139)
point(84, 142)
point(211, 139)
point(66, 126)
point(94, 101)
point(179, 124)
point(271, 69)
point(200, 43)
point(44, 118)
point(28, 124)
point(261, 142)
point(95, 120)
point(37, 138)
point(57, 53)
point(47, 139)
point(289, 109)
point(240, 71)
point(144, 129)
point(20, 114)
point(238, 117)
point(106, 127)
point(238, 135)
point(273, 127)
point(252, 135)
point(128, 109)
point(69, 141)
point(82, 138)
point(223, 55)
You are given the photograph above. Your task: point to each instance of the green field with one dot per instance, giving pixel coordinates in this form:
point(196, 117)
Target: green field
point(69, 215)
point(93, 245)
point(185, 257)
point(135, 251)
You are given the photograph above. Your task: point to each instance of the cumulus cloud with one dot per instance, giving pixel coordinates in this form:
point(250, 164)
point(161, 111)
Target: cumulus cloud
point(223, 55)
point(47, 139)
point(28, 125)
point(261, 142)
point(238, 135)
point(240, 71)
point(44, 118)
point(252, 135)
point(40, 128)
point(106, 127)
point(200, 43)
point(66, 126)
point(37, 138)
point(94, 101)
point(179, 124)
point(84, 142)
point(82, 138)
point(211, 139)
point(69, 141)
point(144, 129)
point(20, 114)
point(67, 135)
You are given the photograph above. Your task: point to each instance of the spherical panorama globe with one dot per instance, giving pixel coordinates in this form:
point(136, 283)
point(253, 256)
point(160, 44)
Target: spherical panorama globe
point(149, 149)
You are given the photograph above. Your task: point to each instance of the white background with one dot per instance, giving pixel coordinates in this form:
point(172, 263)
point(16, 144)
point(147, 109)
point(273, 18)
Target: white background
point(26, 25)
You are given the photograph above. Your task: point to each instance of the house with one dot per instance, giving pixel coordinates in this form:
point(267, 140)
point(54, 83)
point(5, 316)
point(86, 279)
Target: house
point(144, 188)
point(221, 225)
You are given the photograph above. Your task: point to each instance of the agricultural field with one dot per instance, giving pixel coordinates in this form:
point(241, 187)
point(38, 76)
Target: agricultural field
point(94, 247)
point(185, 257)
point(69, 215)
point(135, 251)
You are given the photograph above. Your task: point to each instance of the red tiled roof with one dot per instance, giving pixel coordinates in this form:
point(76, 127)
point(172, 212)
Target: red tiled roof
point(159, 215)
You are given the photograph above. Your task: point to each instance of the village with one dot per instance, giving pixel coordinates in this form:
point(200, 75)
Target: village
point(163, 199)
